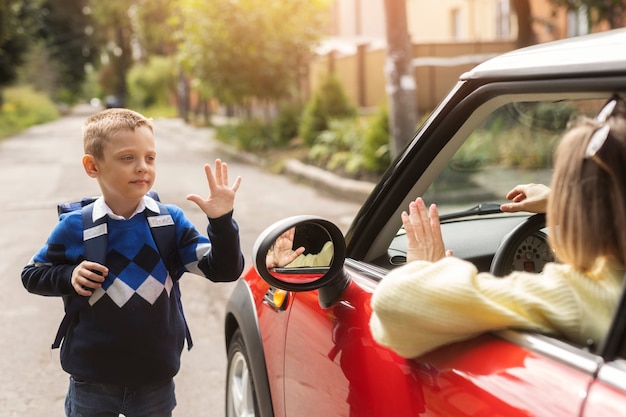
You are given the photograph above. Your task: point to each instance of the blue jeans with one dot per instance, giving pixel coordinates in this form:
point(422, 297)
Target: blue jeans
point(93, 399)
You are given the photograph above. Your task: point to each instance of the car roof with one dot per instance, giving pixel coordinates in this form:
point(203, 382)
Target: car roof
point(602, 53)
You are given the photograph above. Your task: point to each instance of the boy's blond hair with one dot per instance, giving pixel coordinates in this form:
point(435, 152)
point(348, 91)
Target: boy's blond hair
point(101, 126)
point(587, 207)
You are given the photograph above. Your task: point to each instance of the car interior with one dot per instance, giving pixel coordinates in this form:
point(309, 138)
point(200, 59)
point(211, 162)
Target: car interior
point(502, 144)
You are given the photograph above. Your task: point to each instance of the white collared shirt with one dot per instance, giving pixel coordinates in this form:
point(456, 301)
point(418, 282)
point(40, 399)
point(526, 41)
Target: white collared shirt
point(101, 209)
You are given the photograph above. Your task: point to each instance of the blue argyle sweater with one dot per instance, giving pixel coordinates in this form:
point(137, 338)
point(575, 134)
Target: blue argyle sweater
point(131, 331)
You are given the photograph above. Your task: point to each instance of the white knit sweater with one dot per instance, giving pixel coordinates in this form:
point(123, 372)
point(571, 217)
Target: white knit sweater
point(423, 305)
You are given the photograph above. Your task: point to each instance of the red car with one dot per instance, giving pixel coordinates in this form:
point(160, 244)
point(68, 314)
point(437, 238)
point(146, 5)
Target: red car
point(298, 341)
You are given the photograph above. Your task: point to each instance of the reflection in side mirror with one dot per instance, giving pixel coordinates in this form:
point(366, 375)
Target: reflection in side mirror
point(301, 254)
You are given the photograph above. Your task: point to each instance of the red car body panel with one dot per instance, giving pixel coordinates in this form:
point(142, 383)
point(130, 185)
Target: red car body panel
point(334, 367)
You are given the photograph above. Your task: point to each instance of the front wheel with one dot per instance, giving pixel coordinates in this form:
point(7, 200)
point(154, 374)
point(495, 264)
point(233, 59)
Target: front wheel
point(240, 392)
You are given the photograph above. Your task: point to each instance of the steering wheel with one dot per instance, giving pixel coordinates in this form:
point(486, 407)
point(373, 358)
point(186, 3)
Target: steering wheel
point(526, 244)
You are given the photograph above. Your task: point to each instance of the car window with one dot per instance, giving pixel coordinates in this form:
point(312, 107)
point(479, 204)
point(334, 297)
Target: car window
point(513, 145)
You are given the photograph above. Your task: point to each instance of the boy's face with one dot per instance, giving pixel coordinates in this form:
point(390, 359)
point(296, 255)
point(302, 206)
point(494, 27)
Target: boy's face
point(128, 168)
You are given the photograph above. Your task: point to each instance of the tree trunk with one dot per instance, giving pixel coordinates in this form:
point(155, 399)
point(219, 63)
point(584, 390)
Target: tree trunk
point(182, 96)
point(401, 86)
point(525, 34)
point(615, 13)
point(122, 62)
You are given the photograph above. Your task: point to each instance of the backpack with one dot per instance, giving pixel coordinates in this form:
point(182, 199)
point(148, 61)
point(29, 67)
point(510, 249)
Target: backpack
point(95, 241)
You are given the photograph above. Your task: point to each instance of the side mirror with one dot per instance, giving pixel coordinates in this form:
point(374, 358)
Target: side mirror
point(303, 253)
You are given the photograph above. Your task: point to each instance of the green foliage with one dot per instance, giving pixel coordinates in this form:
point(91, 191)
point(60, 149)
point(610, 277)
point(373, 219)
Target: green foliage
point(286, 123)
point(115, 31)
point(65, 28)
point(523, 136)
point(17, 25)
point(339, 148)
point(253, 135)
point(250, 48)
point(24, 107)
point(155, 21)
point(152, 84)
point(328, 102)
point(376, 155)
point(357, 146)
point(259, 135)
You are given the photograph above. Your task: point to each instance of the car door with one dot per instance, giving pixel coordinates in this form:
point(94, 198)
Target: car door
point(607, 394)
point(333, 367)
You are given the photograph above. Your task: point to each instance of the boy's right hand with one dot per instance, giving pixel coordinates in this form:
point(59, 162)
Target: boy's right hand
point(87, 277)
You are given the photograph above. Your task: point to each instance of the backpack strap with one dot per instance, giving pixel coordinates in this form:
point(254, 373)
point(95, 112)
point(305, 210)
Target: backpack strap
point(164, 233)
point(95, 242)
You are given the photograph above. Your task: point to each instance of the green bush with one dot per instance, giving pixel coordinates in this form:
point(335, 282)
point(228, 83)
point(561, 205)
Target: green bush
point(24, 107)
point(339, 148)
point(357, 147)
point(153, 84)
point(253, 135)
point(328, 102)
point(376, 155)
point(286, 123)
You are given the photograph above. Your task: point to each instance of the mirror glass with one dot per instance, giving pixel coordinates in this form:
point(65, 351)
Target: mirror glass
point(301, 254)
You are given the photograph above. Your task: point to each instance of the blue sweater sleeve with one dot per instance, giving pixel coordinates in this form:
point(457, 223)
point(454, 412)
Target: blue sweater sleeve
point(218, 255)
point(49, 272)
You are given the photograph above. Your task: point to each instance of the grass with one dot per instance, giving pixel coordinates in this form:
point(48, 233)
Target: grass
point(24, 107)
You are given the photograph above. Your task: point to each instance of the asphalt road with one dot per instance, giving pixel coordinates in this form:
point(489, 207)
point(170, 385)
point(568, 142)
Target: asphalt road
point(40, 168)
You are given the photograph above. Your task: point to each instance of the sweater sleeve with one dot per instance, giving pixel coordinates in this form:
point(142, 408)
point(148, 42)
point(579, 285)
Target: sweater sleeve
point(422, 305)
point(323, 258)
point(49, 272)
point(225, 261)
point(216, 256)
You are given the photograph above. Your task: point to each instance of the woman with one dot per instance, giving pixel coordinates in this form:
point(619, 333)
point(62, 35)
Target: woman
point(436, 299)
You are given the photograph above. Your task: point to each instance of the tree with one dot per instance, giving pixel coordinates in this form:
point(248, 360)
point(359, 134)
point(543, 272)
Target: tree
point(250, 50)
point(66, 29)
point(114, 26)
point(525, 33)
point(17, 24)
point(401, 86)
point(153, 20)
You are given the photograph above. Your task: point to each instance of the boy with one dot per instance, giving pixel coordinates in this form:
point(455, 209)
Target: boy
point(123, 348)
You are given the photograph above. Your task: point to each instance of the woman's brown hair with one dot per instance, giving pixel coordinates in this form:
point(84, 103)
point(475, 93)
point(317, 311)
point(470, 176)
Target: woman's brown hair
point(587, 207)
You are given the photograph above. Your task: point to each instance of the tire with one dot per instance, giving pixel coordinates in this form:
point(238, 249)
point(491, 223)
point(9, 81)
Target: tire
point(240, 392)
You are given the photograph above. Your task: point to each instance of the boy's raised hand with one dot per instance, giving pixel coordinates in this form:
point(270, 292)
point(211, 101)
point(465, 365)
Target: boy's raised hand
point(221, 199)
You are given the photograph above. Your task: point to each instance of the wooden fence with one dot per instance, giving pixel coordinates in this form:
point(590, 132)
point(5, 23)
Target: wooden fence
point(437, 67)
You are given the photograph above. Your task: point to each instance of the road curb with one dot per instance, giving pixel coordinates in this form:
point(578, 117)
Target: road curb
point(342, 187)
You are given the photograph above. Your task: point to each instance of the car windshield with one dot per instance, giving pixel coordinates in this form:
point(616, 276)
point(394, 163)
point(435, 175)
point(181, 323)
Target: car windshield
point(513, 145)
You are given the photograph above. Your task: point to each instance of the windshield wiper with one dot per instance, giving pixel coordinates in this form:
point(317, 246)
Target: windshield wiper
point(479, 210)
